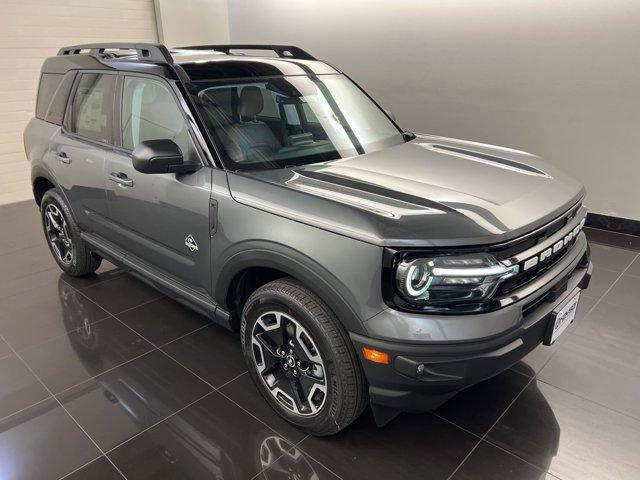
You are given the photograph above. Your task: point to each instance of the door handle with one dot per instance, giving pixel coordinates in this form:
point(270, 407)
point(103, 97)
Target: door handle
point(121, 179)
point(62, 157)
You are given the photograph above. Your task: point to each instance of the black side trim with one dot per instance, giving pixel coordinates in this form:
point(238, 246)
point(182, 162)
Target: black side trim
point(159, 280)
point(614, 224)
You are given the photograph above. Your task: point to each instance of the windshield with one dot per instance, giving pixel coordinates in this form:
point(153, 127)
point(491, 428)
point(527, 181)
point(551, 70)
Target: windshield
point(278, 122)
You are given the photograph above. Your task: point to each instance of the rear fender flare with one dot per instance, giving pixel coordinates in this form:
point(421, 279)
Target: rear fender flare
point(40, 171)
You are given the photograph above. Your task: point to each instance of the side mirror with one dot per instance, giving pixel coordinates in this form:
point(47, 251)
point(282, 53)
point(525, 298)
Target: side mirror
point(160, 156)
point(390, 114)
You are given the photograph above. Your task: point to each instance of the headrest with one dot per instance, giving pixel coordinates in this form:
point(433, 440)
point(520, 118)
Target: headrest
point(250, 103)
point(150, 93)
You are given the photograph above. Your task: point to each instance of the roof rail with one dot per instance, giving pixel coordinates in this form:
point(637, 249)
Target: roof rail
point(150, 52)
point(284, 51)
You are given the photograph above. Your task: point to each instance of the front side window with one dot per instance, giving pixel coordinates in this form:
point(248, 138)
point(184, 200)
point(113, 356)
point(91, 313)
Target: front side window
point(92, 111)
point(150, 112)
point(285, 121)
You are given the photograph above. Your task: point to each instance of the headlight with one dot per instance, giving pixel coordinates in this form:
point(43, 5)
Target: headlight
point(450, 279)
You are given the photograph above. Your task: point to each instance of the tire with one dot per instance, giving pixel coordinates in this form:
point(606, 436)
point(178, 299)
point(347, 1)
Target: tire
point(322, 346)
point(70, 251)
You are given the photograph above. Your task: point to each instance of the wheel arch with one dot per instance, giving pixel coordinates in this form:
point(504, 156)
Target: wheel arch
point(41, 181)
point(40, 187)
point(275, 261)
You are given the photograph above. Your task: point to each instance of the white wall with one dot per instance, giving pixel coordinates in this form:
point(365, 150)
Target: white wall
point(192, 22)
point(560, 79)
point(30, 31)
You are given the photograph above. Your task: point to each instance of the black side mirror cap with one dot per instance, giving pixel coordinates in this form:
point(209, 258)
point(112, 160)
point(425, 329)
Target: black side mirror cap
point(161, 156)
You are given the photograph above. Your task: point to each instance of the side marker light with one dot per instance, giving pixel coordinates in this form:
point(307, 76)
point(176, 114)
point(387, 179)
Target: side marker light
point(375, 356)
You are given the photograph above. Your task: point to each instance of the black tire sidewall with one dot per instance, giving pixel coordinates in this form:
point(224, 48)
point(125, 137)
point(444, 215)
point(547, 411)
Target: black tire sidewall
point(81, 262)
point(52, 197)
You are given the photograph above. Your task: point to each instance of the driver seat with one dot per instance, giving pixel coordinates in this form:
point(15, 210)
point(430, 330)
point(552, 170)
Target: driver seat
point(249, 140)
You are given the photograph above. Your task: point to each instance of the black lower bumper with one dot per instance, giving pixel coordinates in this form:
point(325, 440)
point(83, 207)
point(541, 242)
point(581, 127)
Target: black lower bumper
point(420, 377)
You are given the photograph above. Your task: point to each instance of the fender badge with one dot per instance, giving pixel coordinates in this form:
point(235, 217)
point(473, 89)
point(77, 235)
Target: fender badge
point(190, 242)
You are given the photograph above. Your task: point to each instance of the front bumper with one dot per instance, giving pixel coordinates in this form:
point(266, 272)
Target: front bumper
point(448, 367)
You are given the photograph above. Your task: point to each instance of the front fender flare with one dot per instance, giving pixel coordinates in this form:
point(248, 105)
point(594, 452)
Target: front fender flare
point(297, 265)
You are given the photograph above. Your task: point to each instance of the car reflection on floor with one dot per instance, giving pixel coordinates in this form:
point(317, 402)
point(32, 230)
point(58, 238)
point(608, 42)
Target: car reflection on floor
point(190, 444)
point(195, 443)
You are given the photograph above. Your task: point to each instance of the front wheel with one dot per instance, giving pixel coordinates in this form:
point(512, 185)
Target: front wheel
point(301, 358)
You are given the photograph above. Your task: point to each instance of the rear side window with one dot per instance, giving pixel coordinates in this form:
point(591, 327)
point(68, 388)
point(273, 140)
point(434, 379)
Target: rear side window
point(49, 83)
point(58, 105)
point(92, 110)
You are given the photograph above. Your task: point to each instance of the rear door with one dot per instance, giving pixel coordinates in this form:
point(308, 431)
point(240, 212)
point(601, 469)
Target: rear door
point(162, 219)
point(79, 148)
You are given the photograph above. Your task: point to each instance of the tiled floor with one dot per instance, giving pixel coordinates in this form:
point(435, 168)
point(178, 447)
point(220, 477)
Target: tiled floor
point(103, 378)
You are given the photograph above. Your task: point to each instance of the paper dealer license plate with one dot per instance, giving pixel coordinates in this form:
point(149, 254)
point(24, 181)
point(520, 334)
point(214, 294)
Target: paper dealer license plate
point(563, 319)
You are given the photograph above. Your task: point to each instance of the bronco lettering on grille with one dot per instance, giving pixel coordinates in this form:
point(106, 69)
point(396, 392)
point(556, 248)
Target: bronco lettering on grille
point(556, 247)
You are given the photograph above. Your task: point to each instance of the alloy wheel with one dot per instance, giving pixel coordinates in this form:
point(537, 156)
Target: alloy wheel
point(289, 363)
point(58, 234)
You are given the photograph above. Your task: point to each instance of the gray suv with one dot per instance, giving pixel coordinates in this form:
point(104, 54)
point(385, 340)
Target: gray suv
point(360, 263)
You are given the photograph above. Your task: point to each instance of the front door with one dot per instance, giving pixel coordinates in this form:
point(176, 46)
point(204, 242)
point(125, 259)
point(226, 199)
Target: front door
point(162, 219)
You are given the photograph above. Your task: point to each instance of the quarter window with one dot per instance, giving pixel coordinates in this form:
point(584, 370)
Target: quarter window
point(49, 83)
point(92, 114)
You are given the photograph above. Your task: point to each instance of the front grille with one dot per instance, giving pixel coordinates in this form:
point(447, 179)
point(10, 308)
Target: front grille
point(525, 277)
point(558, 288)
point(538, 236)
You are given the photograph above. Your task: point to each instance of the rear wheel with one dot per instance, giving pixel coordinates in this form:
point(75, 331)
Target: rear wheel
point(301, 359)
point(70, 252)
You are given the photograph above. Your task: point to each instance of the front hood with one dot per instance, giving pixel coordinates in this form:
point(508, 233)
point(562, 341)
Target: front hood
point(431, 191)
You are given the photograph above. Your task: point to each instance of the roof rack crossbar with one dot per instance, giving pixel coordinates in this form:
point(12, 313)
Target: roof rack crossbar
point(150, 52)
point(283, 51)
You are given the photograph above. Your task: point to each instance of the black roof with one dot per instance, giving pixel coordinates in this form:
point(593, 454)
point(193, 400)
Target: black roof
point(193, 63)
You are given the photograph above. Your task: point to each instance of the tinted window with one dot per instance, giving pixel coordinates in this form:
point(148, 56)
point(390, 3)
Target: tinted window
point(49, 83)
point(92, 115)
point(58, 105)
point(150, 112)
point(308, 113)
point(223, 99)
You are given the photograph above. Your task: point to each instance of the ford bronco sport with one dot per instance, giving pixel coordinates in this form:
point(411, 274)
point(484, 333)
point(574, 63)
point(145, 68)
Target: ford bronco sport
point(360, 263)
